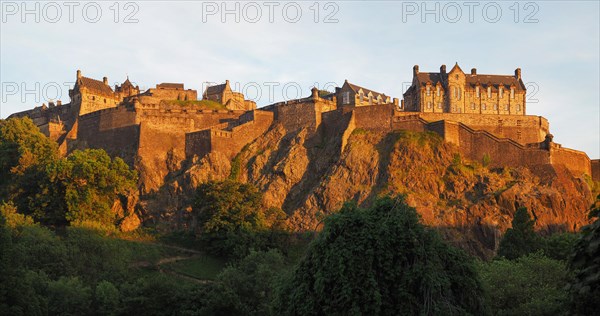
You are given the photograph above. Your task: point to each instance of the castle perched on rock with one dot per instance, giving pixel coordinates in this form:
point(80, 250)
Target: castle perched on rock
point(160, 129)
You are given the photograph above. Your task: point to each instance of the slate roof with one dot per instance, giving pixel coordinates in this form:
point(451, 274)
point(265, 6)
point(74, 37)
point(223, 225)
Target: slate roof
point(94, 84)
point(375, 94)
point(216, 89)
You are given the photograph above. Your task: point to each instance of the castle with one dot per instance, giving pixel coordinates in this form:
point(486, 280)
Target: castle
point(161, 129)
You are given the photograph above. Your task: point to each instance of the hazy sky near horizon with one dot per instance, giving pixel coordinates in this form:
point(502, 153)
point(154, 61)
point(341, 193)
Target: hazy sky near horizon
point(274, 51)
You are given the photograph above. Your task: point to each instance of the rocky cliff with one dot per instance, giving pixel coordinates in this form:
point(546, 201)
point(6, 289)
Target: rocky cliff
point(311, 175)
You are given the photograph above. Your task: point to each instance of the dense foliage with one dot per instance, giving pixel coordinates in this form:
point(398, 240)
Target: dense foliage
point(381, 261)
point(585, 263)
point(232, 218)
point(58, 191)
point(530, 285)
point(520, 239)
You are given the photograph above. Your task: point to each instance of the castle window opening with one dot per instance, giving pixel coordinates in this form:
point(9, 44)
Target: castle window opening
point(483, 106)
point(501, 92)
point(346, 98)
point(495, 106)
point(439, 105)
point(370, 100)
point(519, 122)
point(428, 90)
point(361, 97)
point(518, 134)
point(489, 92)
point(477, 95)
point(438, 91)
point(512, 93)
point(472, 106)
point(506, 107)
point(429, 104)
point(518, 108)
point(459, 93)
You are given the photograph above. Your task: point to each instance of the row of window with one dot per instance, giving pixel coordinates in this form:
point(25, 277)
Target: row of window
point(483, 106)
point(457, 92)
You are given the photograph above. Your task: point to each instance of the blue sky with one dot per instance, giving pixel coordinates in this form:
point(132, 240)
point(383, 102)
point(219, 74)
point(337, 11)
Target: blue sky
point(371, 43)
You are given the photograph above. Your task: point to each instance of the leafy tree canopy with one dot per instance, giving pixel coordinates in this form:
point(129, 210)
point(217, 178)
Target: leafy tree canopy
point(585, 263)
point(381, 261)
point(521, 239)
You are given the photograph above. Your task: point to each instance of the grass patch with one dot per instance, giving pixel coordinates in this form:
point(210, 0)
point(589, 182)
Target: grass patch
point(204, 104)
point(204, 268)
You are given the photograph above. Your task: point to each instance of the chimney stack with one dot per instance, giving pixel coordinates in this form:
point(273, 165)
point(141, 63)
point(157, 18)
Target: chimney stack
point(58, 103)
point(315, 92)
point(443, 69)
point(78, 74)
point(415, 69)
point(227, 82)
point(518, 73)
point(473, 71)
point(105, 80)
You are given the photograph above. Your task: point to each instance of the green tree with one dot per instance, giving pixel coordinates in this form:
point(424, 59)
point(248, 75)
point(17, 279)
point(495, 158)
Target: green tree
point(521, 239)
point(24, 153)
point(559, 246)
point(381, 261)
point(585, 263)
point(69, 296)
point(83, 187)
point(249, 285)
point(529, 285)
point(106, 298)
point(232, 218)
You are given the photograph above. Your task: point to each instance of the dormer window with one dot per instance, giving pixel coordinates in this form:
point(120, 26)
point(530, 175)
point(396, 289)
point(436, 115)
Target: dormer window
point(346, 98)
point(438, 90)
point(477, 92)
point(361, 96)
point(489, 92)
point(428, 89)
point(512, 93)
point(501, 92)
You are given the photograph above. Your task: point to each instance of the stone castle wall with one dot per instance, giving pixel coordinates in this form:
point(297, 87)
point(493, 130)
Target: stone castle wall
point(595, 164)
point(228, 138)
point(114, 130)
point(521, 128)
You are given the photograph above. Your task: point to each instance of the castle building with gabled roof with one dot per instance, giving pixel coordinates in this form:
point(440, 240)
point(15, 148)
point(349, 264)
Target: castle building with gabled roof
point(460, 92)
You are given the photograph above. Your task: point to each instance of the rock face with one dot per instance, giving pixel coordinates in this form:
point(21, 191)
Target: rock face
point(312, 175)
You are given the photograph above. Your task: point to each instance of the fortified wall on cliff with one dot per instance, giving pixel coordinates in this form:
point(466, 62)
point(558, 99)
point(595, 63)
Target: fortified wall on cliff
point(161, 130)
